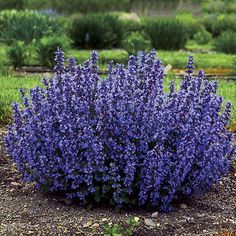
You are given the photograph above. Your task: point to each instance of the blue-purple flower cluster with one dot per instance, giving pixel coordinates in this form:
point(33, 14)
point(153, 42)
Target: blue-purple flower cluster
point(122, 138)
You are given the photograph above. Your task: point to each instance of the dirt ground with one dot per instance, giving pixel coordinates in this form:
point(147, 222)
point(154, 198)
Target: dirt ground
point(26, 211)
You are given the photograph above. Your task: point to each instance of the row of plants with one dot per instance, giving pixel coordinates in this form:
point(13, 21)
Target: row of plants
point(29, 35)
point(110, 30)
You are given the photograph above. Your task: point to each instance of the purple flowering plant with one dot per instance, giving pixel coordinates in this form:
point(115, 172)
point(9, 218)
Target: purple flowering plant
point(121, 139)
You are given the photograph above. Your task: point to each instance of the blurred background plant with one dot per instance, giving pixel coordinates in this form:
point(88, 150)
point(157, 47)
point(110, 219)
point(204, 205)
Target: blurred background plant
point(226, 42)
point(202, 36)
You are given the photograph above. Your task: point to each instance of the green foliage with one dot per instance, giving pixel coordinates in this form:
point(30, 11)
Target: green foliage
point(46, 47)
point(218, 24)
point(17, 54)
point(125, 229)
point(97, 31)
point(214, 6)
point(91, 6)
point(219, 6)
point(166, 33)
point(135, 42)
point(9, 93)
point(130, 22)
point(36, 4)
point(11, 4)
point(26, 26)
point(226, 42)
point(192, 25)
point(202, 36)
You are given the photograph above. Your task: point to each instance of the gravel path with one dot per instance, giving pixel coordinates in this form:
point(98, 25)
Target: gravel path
point(26, 211)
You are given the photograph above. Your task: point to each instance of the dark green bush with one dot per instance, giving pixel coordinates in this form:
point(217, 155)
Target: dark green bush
point(90, 6)
point(136, 42)
point(36, 4)
point(130, 23)
point(97, 31)
point(191, 23)
point(46, 47)
point(218, 24)
point(18, 54)
point(226, 42)
point(166, 33)
point(11, 4)
point(202, 36)
point(26, 26)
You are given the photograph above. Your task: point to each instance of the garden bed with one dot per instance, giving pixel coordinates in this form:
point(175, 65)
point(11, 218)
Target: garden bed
point(26, 211)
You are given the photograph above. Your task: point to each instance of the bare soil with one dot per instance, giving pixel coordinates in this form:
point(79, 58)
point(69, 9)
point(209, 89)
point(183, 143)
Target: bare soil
point(26, 211)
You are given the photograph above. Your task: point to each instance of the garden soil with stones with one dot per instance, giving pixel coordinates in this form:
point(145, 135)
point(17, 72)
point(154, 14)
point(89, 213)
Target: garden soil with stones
point(26, 211)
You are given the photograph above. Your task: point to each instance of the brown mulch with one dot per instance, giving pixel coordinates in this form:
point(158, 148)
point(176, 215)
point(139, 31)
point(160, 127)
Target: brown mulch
point(27, 211)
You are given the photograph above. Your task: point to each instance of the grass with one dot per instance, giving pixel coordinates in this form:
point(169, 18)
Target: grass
point(178, 59)
point(10, 85)
point(192, 45)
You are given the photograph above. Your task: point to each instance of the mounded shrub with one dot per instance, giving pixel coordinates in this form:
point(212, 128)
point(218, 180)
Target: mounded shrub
point(218, 24)
point(97, 31)
point(226, 42)
point(191, 23)
point(121, 139)
point(26, 26)
point(11, 4)
point(46, 47)
point(166, 33)
point(136, 42)
point(202, 36)
point(130, 23)
point(18, 54)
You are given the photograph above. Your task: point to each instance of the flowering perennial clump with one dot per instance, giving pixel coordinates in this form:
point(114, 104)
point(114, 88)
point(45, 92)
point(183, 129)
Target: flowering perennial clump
point(122, 138)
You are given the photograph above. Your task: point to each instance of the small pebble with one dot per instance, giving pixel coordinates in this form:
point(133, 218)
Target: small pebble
point(155, 214)
point(183, 206)
point(149, 222)
point(15, 184)
point(96, 225)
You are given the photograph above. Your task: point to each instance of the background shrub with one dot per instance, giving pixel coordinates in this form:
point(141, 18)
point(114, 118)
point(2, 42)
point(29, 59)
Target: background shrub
point(96, 31)
point(202, 36)
point(18, 54)
point(226, 42)
point(136, 42)
point(11, 4)
point(216, 24)
point(192, 25)
point(90, 6)
point(121, 139)
point(130, 23)
point(26, 26)
point(166, 33)
point(46, 47)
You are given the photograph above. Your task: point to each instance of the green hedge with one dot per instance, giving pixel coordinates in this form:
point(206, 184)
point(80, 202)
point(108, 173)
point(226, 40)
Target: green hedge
point(226, 42)
point(96, 31)
point(166, 33)
point(216, 24)
point(27, 26)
